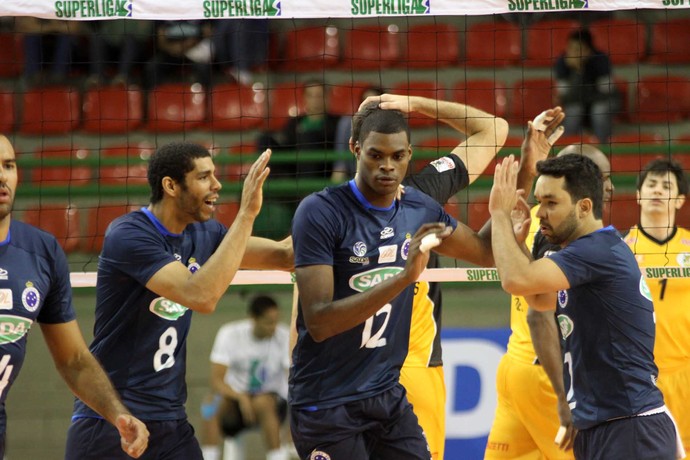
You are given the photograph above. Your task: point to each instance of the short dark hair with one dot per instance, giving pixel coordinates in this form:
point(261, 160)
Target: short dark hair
point(372, 118)
point(172, 160)
point(582, 178)
point(584, 36)
point(661, 166)
point(260, 305)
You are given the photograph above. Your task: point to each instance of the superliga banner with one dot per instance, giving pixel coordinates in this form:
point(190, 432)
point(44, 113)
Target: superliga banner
point(224, 9)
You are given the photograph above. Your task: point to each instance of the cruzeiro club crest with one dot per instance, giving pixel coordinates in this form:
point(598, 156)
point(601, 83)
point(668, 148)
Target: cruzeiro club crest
point(319, 455)
point(31, 298)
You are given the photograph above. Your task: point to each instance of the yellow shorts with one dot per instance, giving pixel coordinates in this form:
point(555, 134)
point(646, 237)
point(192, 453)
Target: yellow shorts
point(676, 389)
point(426, 391)
point(526, 420)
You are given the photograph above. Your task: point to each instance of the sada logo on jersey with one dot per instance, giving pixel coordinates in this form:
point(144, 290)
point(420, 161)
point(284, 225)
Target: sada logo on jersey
point(644, 289)
point(13, 328)
point(363, 281)
point(167, 309)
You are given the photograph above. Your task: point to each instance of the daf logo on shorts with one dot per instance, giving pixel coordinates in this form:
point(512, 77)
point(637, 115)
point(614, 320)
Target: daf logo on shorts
point(563, 298)
point(3, 274)
point(387, 232)
point(360, 249)
point(319, 455)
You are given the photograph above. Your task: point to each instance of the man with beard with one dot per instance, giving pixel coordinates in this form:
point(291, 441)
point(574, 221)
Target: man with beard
point(604, 309)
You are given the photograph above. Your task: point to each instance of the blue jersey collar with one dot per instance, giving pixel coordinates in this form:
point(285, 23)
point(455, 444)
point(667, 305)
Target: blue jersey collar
point(157, 223)
point(6, 241)
point(364, 201)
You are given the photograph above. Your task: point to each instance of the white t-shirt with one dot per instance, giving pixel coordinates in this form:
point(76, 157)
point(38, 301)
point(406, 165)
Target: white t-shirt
point(254, 365)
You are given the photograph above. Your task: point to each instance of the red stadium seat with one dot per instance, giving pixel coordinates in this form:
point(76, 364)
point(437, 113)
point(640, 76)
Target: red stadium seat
point(50, 110)
point(285, 101)
point(238, 171)
point(113, 109)
point(311, 49)
point(98, 219)
point(371, 48)
point(7, 113)
point(226, 212)
point(662, 99)
point(624, 40)
point(623, 212)
point(235, 108)
point(671, 42)
point(493, 44)
point(132, 171)
point(431, 46)
point(632, 162)
point(11, 55)
point(546, 40)
point(583, 138)
point(60, 220)
point(420, 88)
point(485, 94)
point(530, 98)
point(77, 173)
point(478, 213)
point(176, 107)
point(344, 99)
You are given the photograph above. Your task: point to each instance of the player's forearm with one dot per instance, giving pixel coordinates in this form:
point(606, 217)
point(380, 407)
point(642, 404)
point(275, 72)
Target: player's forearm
point(204, 288)
point(547, 346)
point(464, 118)
point(328, 319)
point(511, 261)
point(89, 382)
point(265, 254)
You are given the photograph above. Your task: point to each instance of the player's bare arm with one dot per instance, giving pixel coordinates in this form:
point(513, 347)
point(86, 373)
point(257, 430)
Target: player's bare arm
point(325, 318)
point(265, 254)
point(547, 345)
point(519, 275)
point(485, 133)
point(87, 380)
point(537, 144)
point(201, 290)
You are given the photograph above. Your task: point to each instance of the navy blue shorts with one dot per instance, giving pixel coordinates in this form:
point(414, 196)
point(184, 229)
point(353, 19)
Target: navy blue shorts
point(633, 438)
point(95, 439)
point(382, 427)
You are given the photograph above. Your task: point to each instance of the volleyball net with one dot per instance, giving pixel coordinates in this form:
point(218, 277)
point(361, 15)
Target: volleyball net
point(91, 88)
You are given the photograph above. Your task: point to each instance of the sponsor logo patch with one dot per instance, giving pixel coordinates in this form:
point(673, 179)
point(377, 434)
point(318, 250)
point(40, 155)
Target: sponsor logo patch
point(167, 309)
point(388, 254)
point(31, 298)
point(13, 328)
point(563, 298)
point(387, 233)
point(6, 299)
point(443, 164)
point(566, 324)
point(363, 281)
point(359, 249)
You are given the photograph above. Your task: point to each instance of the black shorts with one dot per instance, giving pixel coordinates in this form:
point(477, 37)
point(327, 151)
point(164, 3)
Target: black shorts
point(232, 422)
point(382, 427)
point(633, 438)
point(95, 439)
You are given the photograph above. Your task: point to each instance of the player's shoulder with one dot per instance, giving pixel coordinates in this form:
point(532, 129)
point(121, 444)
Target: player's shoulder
point(134, 220)
point(32, 239)
point(329, 200)
point(415, 197)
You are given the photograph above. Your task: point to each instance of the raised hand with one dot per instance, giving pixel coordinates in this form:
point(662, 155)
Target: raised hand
point(252, 193)
point(542, 133)
point(503, 197)
point(391, 102)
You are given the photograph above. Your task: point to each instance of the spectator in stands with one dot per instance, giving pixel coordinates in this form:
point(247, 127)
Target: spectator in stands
point(181, 47)
point(240, 46)
point(121, 42)
point(584, 87)
point(249, 366)
point(312, 130)
point(47, 41)
point(346, 166)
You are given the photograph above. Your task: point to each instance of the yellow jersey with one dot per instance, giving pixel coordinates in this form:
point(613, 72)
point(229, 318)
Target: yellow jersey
point(671, 296)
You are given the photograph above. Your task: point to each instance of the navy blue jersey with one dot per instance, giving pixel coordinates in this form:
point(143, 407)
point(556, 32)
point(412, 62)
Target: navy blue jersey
point(34, 286)
point(139, 336)
point(364, 245)
point(607, 323)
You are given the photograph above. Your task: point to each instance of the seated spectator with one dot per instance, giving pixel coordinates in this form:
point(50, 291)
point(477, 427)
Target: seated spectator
point(183, 51)
point(48, 43)
point(249, 368)
point(584, 87)
point(346, 166)
point(312, 130)
point(121, 42)
point(240, 45)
